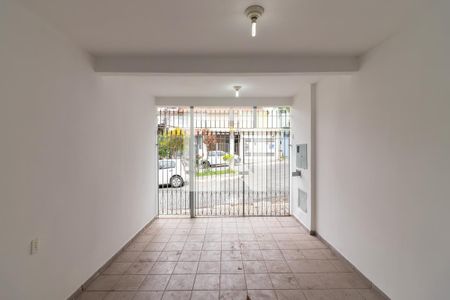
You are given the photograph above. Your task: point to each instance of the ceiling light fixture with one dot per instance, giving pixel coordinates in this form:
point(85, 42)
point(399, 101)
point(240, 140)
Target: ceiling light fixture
point(236, 90)
point(253, 13)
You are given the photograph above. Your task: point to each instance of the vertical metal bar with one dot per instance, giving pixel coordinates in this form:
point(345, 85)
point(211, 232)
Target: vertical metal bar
point(267, 166)
point(167, 173)
point(191, 164)
point(243, 175)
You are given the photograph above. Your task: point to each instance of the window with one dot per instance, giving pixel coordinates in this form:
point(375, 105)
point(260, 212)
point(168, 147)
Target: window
point(167, 164)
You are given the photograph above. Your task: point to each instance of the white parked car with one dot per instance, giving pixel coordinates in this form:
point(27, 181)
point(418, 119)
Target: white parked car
point(171, 172)
point(215, 158)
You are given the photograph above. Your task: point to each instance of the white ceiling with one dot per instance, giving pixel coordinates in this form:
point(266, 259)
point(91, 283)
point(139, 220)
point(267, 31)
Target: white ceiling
point(215, 85)
point(219, 27)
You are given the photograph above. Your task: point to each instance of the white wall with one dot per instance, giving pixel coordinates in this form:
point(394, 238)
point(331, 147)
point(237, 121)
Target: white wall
point(76, 161)
point(302, 133)
point(383, 161)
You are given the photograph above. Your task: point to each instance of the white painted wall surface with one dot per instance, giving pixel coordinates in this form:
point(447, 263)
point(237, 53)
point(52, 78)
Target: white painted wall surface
point(383, 167)
point(76, 161)
point(301, 133)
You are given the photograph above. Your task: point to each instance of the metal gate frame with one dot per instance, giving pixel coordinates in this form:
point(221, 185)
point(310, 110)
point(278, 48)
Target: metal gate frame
point(254, 130)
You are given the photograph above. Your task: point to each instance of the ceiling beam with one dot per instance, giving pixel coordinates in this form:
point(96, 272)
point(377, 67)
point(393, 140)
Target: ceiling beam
point(226, 64)
point(223, 101)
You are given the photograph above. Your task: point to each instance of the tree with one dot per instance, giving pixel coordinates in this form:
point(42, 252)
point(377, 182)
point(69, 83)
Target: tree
point(209, 139)
point(171, 143)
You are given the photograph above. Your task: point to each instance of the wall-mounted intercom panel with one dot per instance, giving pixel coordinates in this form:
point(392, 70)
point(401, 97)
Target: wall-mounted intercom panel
point(301, 156)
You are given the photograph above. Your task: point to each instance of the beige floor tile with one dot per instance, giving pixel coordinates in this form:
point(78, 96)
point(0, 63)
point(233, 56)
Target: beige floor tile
point(209, 267)
point(155, 282)
point(231, 266)
point(251, 245)
point(232, 282)
point(120, 296)
point(231, 245)
point(174, 246)
point(161, 238)
point(371, 294)
point(190, 256)
point(129, 282)
point(182, 282)
point(169, 256)
point(277, 266)
point(233, 295)
point(311, 245)
point(205, 295)
point(314, 254)
point(136, 246)
point(284, 281)
point(272, 255)
point(186, 267)
point(251, 255)
point(341, 266)
point(155, 246)
point(139, 268)
point(127, 256)
point(268, 245)
point(247, 237)
point(215, 237)
point(92, 296)
point(148, 256)
point(178, 238)
point(288, 245)
point(210, 256)
point(333, 295)
point(148, 296)
point(195, 238)
point(190, 246)
point(293, 254)
point(311, 266)
point(116, 268)
point(207, 282)
point(328, 253)
point(177, 295)
point(252, 267)
point(258, 281)
point(262, 295)
point(144, 238)
point(273, 258)
point(230, 237)
point(163, 267)
point(310, 281)
point(231, 255)
point(344, 280)
point(104, 283)
point(212, 246)
point(290, 295)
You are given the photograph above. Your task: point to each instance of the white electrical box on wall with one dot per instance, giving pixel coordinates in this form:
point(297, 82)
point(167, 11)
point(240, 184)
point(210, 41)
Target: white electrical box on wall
point(301, 156)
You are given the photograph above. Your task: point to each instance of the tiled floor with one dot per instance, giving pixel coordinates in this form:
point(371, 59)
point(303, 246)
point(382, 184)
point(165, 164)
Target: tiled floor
point(228, 258)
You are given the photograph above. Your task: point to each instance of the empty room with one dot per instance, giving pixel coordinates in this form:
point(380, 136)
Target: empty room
point(205, 149)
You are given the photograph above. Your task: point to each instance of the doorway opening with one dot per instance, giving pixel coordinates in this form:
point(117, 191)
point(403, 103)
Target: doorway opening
point(223, 161)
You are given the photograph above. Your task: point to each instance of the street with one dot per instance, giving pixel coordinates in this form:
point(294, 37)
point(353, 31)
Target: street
point(259, 187)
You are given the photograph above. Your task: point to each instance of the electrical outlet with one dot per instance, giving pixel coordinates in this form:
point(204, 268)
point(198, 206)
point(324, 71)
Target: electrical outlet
point(34, 246)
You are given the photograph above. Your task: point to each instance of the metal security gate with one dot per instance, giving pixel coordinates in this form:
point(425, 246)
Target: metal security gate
point(232, 161)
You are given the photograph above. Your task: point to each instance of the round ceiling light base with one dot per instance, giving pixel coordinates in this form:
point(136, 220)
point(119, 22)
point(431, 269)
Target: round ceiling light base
point(254, 12)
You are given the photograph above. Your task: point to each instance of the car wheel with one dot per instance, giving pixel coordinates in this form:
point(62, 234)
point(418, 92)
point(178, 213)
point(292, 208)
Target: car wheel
point(206, 164)
point(176, 181)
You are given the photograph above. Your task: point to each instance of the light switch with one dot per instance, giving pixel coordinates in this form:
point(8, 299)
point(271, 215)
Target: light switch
point(34, 246)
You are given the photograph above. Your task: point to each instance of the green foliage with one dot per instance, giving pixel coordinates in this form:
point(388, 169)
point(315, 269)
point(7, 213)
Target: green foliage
point(170, 145)
point(228, 157)
point(210, 172)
